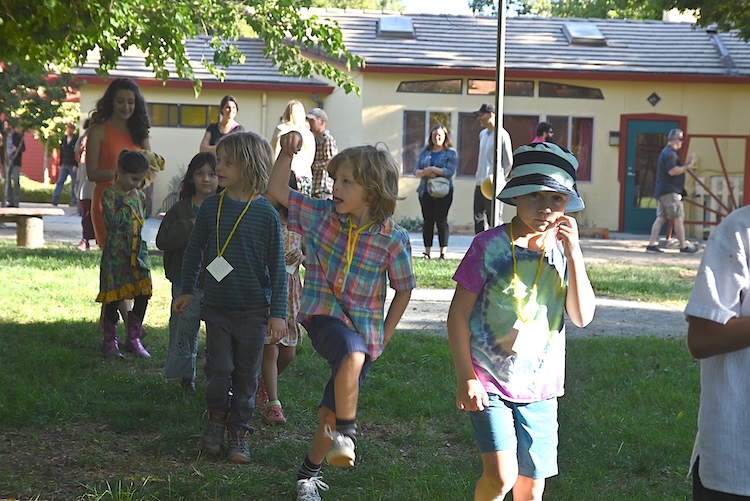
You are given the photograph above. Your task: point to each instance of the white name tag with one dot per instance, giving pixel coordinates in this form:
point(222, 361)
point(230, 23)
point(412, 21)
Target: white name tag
point(531, 338)
point(219, 268)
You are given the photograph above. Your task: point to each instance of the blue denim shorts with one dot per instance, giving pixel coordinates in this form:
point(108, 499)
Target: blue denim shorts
point(529, 429)
point(334, 341)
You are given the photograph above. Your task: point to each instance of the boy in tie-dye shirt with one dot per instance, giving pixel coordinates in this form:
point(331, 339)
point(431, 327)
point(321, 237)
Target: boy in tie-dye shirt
point(506, 323)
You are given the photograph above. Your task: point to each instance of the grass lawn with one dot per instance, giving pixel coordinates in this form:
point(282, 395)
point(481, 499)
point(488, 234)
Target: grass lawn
point(77, 426)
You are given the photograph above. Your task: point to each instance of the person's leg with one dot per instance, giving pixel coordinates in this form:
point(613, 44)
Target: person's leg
point(442, 206)
point(499, 474)
point(536, 429)
point(480, 216)
point(248, 336)
point(679, 231)
point(287, 354)
point(14, 180)
point(428, 215)
point(219, 364)
point(269, 370)
point(495, 434)
point(73, 186)
point(346, 353)
point(60, 184)
point(528, 489)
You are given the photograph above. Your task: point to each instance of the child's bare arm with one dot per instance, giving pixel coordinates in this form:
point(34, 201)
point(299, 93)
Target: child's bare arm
point(470, 394)
point(278, 183)
point(395, 312)
point(580, 302)
point(706, 338)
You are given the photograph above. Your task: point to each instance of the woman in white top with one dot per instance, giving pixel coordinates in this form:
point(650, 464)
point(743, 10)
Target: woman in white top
point(294, 118)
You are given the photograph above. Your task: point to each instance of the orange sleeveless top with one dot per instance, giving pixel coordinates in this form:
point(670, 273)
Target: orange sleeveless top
point(114, 142)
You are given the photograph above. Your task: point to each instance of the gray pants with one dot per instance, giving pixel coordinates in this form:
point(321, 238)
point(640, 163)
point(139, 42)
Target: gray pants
point(12, 194)
point(183, 337)
point(234, 351)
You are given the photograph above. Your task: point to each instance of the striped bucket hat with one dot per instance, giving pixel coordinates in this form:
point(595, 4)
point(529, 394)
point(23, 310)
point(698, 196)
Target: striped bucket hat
point(543, 167)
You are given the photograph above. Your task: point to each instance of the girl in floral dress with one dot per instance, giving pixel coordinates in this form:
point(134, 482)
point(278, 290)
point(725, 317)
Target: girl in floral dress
point(125, 272)
point(277, 356)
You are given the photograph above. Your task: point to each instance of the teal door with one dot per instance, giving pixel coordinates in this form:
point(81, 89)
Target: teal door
point(645, 140)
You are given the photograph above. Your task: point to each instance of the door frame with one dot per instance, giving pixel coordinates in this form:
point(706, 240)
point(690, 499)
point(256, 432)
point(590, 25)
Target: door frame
point(625, 120)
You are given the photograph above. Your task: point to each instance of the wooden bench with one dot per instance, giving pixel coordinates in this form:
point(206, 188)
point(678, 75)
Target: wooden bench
point(29, 223)
point(593, 232)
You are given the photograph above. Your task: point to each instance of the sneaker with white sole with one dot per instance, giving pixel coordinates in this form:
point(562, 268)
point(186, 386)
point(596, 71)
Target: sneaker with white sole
point(307, 488)
point(341, 454)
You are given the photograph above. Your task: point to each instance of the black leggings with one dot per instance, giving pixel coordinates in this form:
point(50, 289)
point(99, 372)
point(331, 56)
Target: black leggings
point(140, 303)
point(435, 212)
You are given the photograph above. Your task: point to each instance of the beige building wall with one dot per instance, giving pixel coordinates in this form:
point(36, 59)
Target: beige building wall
point(376, 117)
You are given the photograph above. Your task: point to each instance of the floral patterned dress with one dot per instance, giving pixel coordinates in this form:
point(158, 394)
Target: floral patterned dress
point(125, 271)
point(292, 242)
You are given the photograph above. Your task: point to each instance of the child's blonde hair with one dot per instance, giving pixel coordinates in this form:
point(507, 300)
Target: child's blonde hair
point(252, 154)
point(377, 171)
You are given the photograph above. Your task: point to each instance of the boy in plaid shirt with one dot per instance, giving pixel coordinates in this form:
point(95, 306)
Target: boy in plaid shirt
point(353, 248)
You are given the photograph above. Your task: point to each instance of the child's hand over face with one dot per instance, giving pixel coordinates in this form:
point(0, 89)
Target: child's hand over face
point(276, 329)
point(471, 396)
point(567, 232)
point(291, 143)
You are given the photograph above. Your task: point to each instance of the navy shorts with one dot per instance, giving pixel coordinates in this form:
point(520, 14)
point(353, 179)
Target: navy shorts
point(334, 341)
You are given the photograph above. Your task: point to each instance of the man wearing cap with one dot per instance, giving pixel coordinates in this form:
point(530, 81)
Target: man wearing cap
point(670, 184)
point(485, 166)
point(325, 150)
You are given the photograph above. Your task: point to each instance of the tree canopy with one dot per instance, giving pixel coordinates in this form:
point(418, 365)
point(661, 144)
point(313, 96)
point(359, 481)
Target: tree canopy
point(57, 35)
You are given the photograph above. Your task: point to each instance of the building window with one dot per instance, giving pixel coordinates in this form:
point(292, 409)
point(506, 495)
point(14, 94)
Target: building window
point(522, 88)
point(551, 89)
point(432, 86)
point(577, 135)
point(417, 125)
point(182, 115)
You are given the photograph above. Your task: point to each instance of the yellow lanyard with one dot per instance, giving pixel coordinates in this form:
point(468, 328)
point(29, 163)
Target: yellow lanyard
point(219, 249)
point(521, 312)
point(138, 223)
point(351, 243)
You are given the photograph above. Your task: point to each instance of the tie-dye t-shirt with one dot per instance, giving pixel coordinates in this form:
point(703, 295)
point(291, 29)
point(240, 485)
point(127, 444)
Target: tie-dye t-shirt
point(525, 366)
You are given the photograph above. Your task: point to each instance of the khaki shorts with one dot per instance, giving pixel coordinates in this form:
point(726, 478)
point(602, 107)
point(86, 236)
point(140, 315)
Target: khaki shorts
point(670, 206)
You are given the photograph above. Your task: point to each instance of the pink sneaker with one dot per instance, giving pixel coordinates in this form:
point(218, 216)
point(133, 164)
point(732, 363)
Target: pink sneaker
point(261, 395)
point(273, 414)
point(84, 245)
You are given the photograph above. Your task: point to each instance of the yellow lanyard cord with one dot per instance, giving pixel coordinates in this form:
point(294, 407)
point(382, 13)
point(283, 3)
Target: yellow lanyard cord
point(520, 312)
point(351, 243)
point(219, 249)
point(137, 224)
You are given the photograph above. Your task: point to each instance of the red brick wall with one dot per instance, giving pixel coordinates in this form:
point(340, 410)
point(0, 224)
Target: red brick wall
point(32, 164)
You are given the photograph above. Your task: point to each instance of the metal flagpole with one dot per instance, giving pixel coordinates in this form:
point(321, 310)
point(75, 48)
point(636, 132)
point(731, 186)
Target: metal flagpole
point(499, 94)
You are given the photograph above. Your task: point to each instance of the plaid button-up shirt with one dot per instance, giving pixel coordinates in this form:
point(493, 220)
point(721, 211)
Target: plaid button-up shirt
point(325, 150)
point(356, 296)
